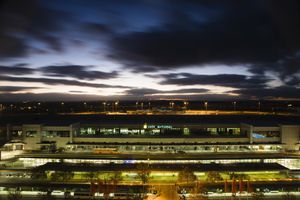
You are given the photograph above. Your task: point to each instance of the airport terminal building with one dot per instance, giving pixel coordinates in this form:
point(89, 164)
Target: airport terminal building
point(153, 134)
point(83, 143)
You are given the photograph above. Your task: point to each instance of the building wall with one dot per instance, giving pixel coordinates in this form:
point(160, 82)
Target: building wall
point(60, 141)
point(266, 128)
point(74, 129)
point(247, 130)
point(32, 143)
point(290, 136)
point(163, 140)
point(3, 133)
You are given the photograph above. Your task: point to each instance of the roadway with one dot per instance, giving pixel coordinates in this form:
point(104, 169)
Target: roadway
point(28, 182)
point(237, 196)
point(169, 193)
point(162, 156)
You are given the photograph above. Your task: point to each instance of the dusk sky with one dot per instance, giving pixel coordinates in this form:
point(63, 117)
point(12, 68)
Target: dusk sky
point(149, 49)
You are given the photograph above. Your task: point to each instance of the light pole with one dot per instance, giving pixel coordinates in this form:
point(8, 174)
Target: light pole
point(116, 106)
point(172, 104)
point(206, 105)
point(62, 106)
point(104, 106)
point(185, 104)
point(85, 107)
point(38, 106)
point(234, 105)
point(136, 105)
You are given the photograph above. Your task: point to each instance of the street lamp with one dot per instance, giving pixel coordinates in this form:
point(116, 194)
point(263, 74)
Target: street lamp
point(104, 106)
point(206, 105)
point(116, 106)
point(234, 105)
point(38, 106)
point(62, 106)
point(172, 104)
point(85, 107)
point(185, 104)
point(136, 105)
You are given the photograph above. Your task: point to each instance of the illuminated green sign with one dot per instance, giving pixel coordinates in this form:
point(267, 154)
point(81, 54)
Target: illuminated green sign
point(145, 126)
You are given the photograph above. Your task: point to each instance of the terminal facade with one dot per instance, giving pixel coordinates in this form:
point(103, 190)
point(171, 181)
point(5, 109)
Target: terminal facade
point(251, 145)
point(158, 136)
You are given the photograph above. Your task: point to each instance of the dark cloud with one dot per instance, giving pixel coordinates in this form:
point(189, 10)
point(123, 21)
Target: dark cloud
point(282, 92)
point(85, 97)
point(140, 92)
point(52, 81)
point(24, 23)
point(77, 71)
point(76, 91)
point(97, 29)
point(11, 46)
point(225, 80)
point(150, 36)
point(284, 68)
point(293, 81)
point(233, 33)
point(81, 72)
point(50, 97)
point(189, 90)
point(19, 69)
point(15, 88)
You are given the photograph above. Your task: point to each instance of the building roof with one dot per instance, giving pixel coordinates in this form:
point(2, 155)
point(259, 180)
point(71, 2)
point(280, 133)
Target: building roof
point(63, 120)
point(155, 157)
point(162, 167)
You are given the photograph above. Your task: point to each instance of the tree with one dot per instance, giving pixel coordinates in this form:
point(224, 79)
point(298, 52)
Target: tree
point(199, 192)
point(39, 175)
point(114, 176)
point(14, 195)
point(67, 175)
point(143, 174)
point(55, 176)
point(238, 176)
point(186, 175)
point(92, 175)
point(213, 176)
point(61, 175)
